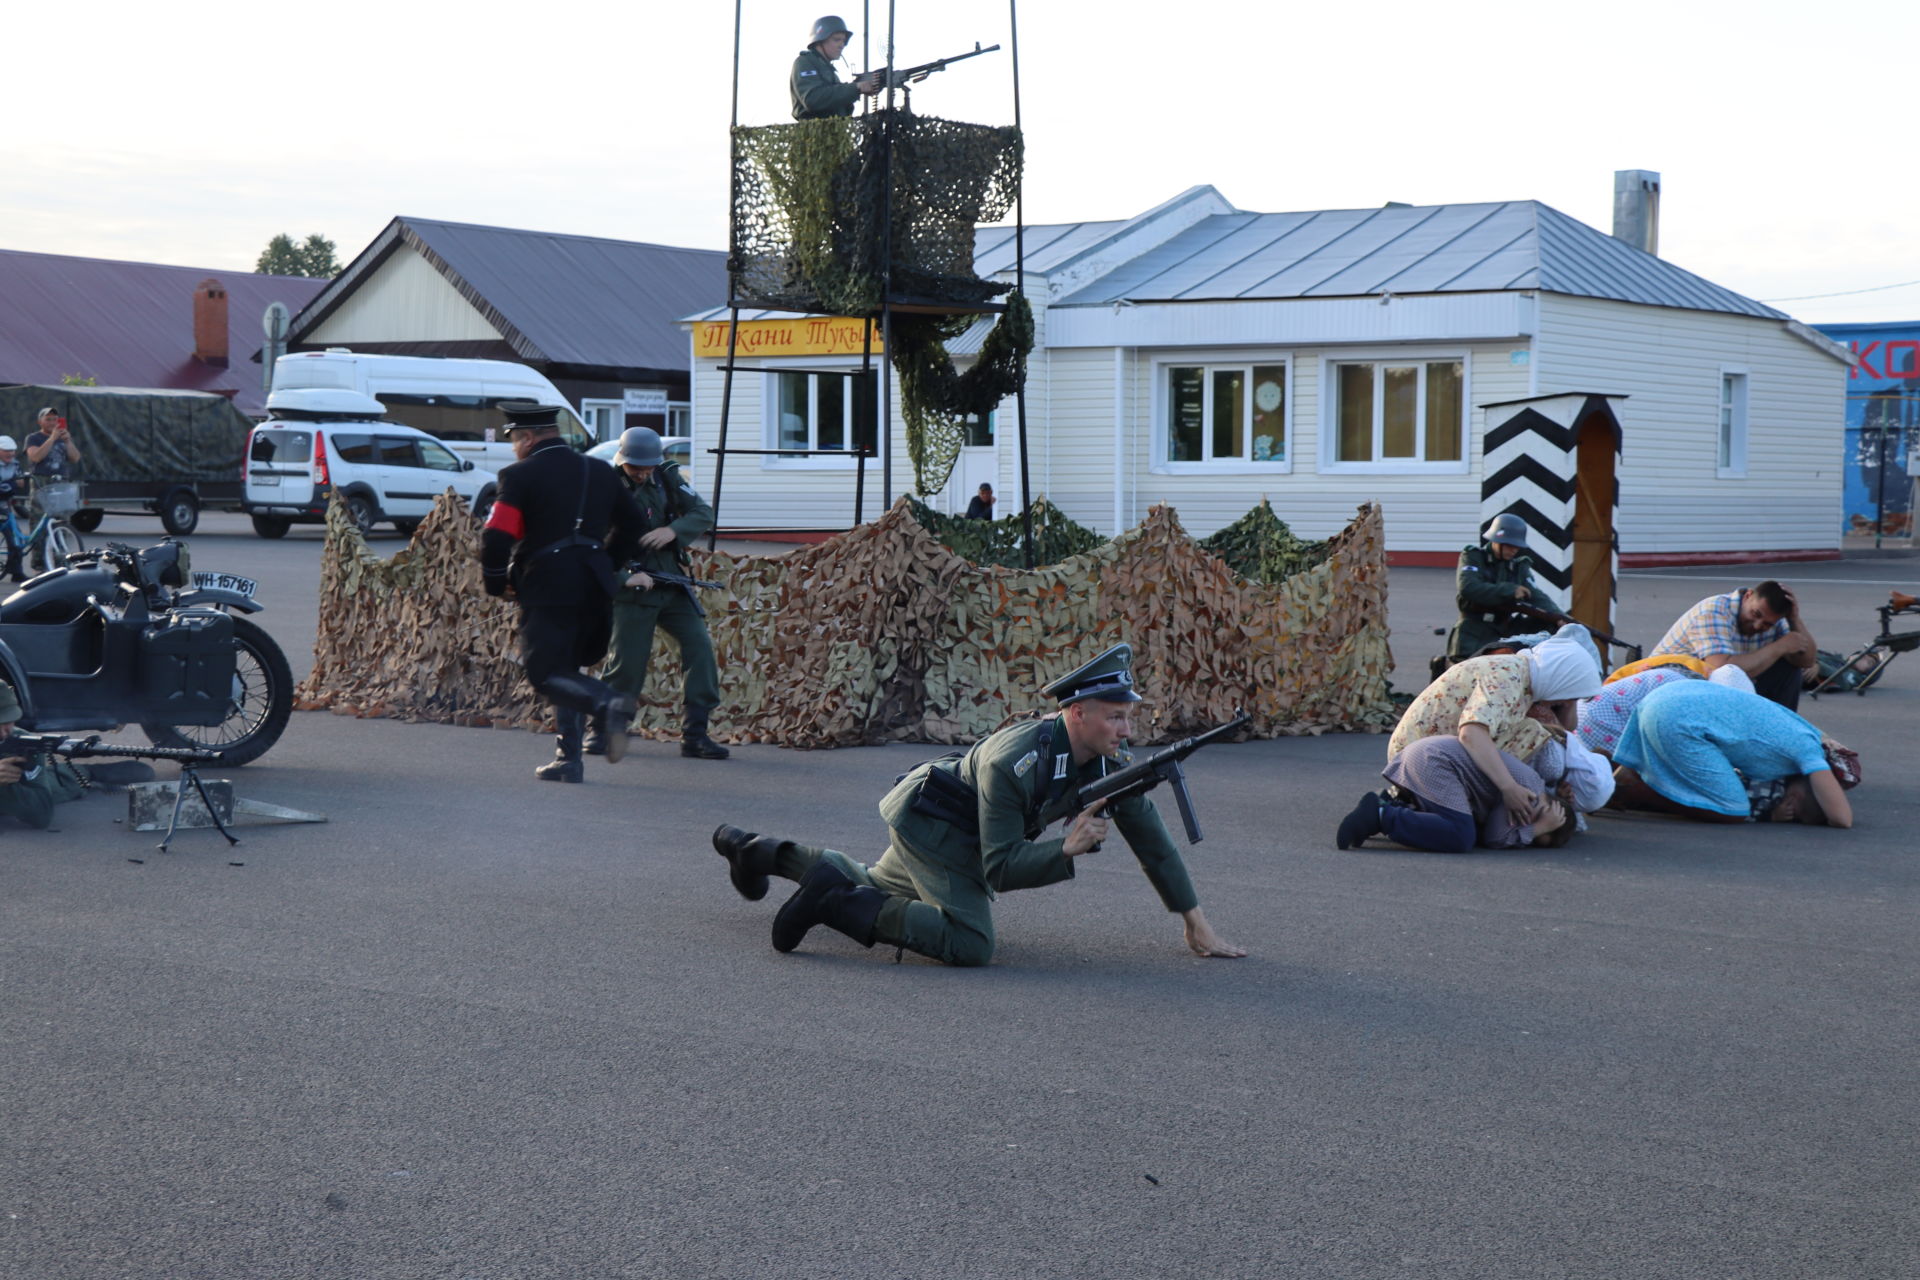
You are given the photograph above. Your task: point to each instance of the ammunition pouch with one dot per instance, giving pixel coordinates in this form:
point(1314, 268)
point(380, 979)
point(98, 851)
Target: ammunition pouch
point(942, 795)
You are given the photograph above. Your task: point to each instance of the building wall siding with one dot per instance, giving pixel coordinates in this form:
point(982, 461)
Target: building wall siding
point(1669, 362)
point(405, 300)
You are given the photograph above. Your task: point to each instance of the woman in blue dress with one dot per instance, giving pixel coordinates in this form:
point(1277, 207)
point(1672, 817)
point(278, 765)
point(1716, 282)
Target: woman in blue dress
point(1693, 747)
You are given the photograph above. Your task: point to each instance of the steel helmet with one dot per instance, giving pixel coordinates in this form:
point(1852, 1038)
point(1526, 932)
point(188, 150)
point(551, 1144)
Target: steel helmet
point(639, 447)
point(831, 25)
point(1509, 529)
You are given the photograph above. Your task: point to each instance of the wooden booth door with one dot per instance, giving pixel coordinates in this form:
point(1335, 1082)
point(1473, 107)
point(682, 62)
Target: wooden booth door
point(1594, 492)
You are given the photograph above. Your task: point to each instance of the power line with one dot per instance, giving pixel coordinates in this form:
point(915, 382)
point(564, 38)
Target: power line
point(1846, 293)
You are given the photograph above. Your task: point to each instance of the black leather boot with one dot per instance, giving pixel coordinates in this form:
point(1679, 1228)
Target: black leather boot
point(565, 765)
point(611, 712)
point(694, 740)
point(750, 859)
point(595, 743)
point(826, 896)
point(1364, 821)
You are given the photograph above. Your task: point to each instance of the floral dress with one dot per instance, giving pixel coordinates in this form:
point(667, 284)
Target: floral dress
point(1495, 692)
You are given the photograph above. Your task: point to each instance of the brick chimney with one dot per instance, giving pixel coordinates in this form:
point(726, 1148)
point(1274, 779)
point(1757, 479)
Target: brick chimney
point(210, 323)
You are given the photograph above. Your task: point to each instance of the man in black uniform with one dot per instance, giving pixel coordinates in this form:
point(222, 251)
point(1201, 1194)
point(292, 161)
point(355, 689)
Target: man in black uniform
point(557, 518)
point(816, 90)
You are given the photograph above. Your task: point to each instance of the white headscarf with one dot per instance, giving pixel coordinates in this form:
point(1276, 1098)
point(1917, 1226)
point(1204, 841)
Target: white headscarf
point(1563, 667)
point(1732, 677)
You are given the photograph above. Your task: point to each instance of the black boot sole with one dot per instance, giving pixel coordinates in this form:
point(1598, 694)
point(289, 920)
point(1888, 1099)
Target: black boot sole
point(731, 842)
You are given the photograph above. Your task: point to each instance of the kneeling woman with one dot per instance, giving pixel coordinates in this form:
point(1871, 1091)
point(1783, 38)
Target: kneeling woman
point(1444, 802)
point(1697, 749)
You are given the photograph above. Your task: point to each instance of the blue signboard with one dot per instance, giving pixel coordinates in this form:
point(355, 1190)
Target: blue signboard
point(1883, 426)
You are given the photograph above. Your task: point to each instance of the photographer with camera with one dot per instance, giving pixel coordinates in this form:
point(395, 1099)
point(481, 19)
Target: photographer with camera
point(51, 452)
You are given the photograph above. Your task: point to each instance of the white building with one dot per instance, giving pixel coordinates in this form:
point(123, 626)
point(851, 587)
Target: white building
point(1207, 357)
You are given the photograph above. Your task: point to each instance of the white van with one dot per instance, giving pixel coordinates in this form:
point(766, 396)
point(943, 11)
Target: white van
point(455, 401)
point(319, 440)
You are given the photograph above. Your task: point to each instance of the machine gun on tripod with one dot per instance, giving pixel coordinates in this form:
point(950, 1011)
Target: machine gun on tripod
point(19, 745)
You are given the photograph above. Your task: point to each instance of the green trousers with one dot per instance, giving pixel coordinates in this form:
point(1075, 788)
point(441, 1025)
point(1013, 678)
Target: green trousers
point(930, 909)
point(635, 617)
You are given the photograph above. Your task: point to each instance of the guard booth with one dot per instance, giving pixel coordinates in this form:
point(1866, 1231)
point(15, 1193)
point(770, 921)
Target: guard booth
point(872, 217)
point(1552, 461)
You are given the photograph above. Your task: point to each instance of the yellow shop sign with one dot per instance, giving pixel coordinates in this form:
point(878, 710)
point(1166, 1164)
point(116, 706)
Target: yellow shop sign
point(808, 336)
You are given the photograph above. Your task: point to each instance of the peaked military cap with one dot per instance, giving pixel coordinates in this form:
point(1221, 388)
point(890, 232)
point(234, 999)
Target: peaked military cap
point(525, 415)
point(1108, 677)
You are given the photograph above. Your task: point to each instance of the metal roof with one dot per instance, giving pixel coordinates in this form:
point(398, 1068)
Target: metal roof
point(131, 323)
point(1450, 248)
point(559, 299)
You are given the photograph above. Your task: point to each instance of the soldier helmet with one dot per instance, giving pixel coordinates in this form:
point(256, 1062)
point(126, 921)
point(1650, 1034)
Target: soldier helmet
point(639, 447)
point(1508, 529)
point(831, 25)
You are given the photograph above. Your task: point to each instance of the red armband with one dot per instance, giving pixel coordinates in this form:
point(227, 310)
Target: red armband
point(508, 520)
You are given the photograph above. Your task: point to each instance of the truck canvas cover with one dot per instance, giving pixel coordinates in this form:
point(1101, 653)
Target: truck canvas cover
point(136, 436)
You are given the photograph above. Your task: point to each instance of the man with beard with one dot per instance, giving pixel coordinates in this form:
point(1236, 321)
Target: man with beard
point(1757, 629)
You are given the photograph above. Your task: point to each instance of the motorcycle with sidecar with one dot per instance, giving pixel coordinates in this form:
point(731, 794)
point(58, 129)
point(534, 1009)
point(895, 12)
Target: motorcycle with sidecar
point(124, 635)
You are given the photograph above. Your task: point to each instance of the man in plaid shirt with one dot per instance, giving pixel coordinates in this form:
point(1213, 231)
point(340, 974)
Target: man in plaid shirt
point(1758, 630)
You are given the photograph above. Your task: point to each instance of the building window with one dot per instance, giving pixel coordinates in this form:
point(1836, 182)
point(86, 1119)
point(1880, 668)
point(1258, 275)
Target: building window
point(1224, 413)
point(979, 429)
point(1397, 415)
point(605, 419)
point(824, 412)
point(679, 418)
point(1731, 459)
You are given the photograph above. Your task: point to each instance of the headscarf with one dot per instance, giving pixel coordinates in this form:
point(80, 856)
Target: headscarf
point(1565, 666)
point(1733, 678)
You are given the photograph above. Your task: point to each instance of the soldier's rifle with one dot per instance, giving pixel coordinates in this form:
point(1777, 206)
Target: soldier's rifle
point(1143, 776)
point(1562, 619)
point(914, 75)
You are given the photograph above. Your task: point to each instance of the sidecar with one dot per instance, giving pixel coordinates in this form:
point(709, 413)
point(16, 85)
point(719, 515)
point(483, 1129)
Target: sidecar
point(84, 651)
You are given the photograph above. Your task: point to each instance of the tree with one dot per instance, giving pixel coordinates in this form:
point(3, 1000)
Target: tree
point(282, 257)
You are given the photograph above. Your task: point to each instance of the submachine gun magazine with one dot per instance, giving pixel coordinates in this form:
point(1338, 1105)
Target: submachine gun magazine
point(1144, 775)
point(914, 75)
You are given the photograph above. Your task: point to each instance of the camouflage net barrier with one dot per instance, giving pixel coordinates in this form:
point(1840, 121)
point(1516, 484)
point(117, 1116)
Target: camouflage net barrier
point(884, 635)
point(811, 233)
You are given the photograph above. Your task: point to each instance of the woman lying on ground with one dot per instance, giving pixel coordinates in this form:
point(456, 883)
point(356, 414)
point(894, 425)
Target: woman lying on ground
point(1603, 717)
point(1442, 801)
point(1706, 750)
point(1488, 704)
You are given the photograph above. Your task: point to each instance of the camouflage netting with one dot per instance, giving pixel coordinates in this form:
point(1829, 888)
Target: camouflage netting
point(808, 236)
point(883, 635)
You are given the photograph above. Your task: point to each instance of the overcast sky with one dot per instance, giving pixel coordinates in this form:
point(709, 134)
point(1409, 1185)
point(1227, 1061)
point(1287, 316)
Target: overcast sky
point(192, 134)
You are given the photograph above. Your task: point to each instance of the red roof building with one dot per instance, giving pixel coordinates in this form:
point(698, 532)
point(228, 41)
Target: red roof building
point(139, 324)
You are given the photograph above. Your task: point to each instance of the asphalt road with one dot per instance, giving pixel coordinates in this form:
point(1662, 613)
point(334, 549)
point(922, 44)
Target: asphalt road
point(478, 1026)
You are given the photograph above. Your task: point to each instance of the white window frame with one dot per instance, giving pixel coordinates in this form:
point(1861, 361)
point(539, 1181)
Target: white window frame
point(770, 421)
point(679, 418)
point(1329, 397)
point(1208, 362)
point(619, 412)
point(1732, 418)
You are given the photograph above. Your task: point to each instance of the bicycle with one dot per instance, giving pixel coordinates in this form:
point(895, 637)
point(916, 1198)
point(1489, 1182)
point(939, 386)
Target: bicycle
point(1865, 665)
point(51, 540)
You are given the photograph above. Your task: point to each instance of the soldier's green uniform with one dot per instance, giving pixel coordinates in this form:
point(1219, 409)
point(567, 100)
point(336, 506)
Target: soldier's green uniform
point(1483, 585)
point(44, 784)
point(816, 90)
point(966, 828)
point(666, 500)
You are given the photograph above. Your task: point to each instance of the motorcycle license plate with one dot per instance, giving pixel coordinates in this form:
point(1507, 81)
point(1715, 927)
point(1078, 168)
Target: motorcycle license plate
point(226, 582)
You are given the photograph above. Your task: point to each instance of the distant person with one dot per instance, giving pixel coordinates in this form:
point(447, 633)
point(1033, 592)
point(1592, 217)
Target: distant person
point(1757, 629)
point(817, 91)
point(981, 508)
point(11, 483)
point(51, 452)
point(1492, 578)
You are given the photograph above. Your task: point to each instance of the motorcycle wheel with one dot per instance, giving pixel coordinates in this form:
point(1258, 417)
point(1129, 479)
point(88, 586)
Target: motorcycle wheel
point(51, 552)
point(262, 704)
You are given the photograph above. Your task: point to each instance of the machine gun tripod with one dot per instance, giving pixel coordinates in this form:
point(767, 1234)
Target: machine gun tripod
point(20, 745)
